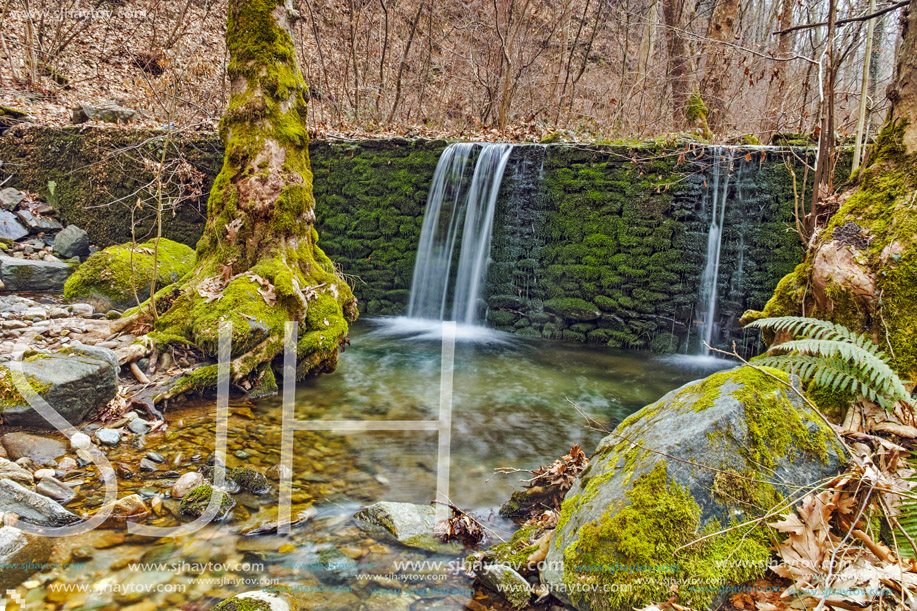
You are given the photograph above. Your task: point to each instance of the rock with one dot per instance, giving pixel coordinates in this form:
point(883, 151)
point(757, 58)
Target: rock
point(507, 582)
point(30, 275)
point(197, 500)
point(42, 450)
point(573, 308)
point(409, 524)
point(268, 519)
point(32, 507)
point(10, 227)
point(148, 465)
point(636, 507)
point(67, 464)
point(10, 198)
point(107, 113)
point(129, 509)
point(139, 426)
point(156, 457)
point(10, 470)
point(108, 437)
point(71, 242)
point(107, 281)
point(83, 310)
point(55, 489)
point(185, 484)
point(19, 556)
point(35, 223)
point(259, 600)
point(74, 381)
point(250, 480)
point(80, 441)
point(42, 473)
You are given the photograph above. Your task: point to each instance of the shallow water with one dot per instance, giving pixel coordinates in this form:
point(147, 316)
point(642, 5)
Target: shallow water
point(512, 406)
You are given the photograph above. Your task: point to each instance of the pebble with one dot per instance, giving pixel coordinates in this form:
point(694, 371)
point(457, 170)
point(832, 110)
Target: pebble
point(80, 441)
point(108, 437)
point(43, 473)
point(83, 310)
point(155, 457)
point(186, 483)
point(67, 464)
point(148, 465)
point(57, 313)
point(139, 426)
point(55, 489)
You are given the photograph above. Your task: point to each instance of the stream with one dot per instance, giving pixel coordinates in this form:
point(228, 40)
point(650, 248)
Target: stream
point(512, 406)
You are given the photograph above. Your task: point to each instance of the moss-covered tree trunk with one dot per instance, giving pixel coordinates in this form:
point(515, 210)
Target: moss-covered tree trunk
point(258, 263)
point(903, 93)
point(861, 269)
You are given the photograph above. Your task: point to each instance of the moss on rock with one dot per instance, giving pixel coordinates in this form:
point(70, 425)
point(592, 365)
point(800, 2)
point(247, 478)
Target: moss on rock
point(109, 277)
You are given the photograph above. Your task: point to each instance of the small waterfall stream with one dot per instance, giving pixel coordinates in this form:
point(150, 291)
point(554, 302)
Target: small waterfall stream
point(707, 294)
point(459, 214)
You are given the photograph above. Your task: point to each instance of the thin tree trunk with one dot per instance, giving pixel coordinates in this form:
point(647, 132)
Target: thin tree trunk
point(777, 88)
point(678, 56)
point(722, 28)
point(824, 163)
point(864, 92)
point(404, 59)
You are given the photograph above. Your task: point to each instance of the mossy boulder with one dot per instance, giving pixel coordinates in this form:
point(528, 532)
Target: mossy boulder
point(109, 277)
point(725, 450)
point(73, 381)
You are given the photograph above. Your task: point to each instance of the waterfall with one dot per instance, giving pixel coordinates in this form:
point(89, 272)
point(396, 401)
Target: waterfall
point(707, 298)
point(459, 214)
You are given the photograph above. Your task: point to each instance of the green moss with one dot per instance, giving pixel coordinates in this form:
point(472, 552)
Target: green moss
point(114, 273)
point(660, 516)
point(9, 393)
point(515, 552)
point(243, 604)
point(195, 502)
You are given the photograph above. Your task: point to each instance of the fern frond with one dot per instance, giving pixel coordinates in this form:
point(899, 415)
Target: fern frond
point(833, 357)
point(907, 517)
point(871, 368)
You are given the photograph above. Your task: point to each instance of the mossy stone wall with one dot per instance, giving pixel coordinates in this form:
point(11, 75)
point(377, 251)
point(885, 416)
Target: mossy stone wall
point(608, 244)
point(602, 244)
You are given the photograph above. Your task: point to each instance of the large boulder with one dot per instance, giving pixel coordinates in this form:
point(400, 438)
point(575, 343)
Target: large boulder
point(109, 277)
point(708, 456)
point(74, 381)
point(33, 275)
point(21, 555)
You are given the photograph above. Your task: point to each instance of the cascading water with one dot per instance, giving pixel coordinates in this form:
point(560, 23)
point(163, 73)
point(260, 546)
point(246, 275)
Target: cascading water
point(459, 213)
point(707, 297)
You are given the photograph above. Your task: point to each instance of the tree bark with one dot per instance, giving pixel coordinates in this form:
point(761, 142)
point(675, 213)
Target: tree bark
point(677, 57)
point(722, 29)
point(258, 263)
point(777, 89)
point(903, 92)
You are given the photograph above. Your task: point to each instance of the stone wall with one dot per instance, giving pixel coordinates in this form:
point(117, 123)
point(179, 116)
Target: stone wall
point(591, 243)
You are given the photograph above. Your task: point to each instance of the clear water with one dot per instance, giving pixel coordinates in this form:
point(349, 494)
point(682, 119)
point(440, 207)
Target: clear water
point(512, 408)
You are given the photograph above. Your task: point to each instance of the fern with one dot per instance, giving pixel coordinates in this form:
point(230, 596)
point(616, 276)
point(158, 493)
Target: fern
point(833, 357)
point(907, 518)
